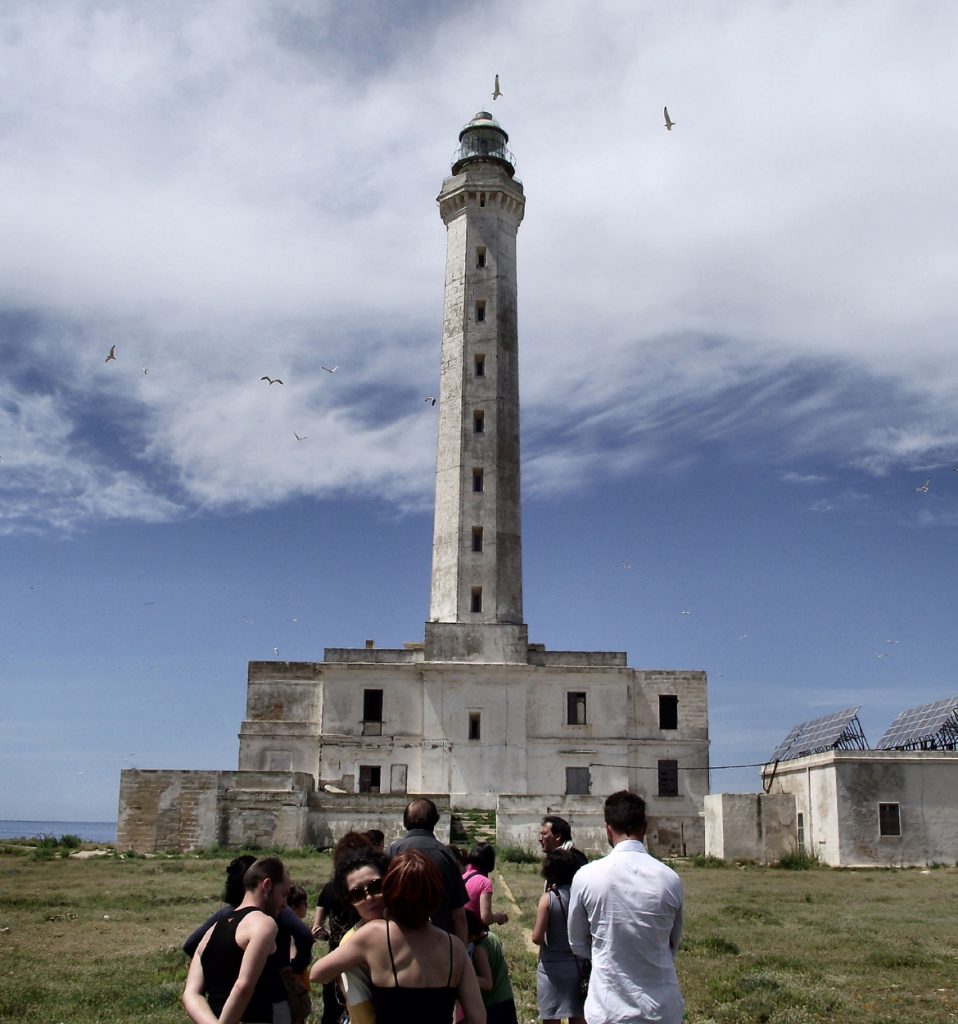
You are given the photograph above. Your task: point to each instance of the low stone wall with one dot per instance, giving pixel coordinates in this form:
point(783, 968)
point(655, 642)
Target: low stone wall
point(749, 826)
point(182, 811)
point(332, 815)
point(518, 819)
point(189, 810)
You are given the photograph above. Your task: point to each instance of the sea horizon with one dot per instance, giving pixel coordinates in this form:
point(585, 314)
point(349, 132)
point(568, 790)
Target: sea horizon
point(88, 831)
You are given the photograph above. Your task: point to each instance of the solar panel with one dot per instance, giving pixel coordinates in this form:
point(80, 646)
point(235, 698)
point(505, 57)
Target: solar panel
point(929, 726)
point(780, 753)
point(838, 731)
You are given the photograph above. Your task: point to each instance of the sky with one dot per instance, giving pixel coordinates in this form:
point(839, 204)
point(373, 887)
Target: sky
point(737, 355)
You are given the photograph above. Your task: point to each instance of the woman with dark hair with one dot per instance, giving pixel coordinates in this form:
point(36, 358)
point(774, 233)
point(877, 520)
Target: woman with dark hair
point(479, 865)
point(417, 970)
point(233, 895)
point(359, 882)
point(335, 915)
point(560, 973)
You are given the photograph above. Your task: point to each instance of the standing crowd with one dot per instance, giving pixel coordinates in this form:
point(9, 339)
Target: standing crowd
point(411, 937)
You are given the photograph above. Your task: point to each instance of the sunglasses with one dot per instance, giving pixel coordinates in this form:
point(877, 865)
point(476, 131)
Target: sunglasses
point(362, 892)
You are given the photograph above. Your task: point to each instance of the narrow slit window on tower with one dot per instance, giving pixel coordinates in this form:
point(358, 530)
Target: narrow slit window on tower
point(477, 481)
point(482, 198)
point(481, 256)
point(668, 711)
point(475, 730)
point(480, 366)
point(479, 421)
point(476, 604)
point(575, 707)
point(668, 778)
point(800, 831)
point(481, 311)
point(477, 538)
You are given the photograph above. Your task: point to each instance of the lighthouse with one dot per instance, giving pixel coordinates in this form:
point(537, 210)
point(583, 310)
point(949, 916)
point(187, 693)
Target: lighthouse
point(475, 609)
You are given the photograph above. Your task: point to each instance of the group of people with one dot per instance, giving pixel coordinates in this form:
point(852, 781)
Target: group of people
point(409, 933)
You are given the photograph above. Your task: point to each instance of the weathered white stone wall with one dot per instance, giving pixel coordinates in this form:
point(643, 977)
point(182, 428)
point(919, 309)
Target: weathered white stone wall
point(749, 826)
point(839, 792)
point(183, 810)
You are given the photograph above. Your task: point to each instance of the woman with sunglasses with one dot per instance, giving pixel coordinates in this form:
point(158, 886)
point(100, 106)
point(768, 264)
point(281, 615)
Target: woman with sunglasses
point(417, 971)
point(359, 879)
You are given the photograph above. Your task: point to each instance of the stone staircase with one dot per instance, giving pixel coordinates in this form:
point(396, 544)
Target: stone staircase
point(471, 826)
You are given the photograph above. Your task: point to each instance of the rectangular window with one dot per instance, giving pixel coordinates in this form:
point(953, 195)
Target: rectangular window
point(372, 712)
point(889, 820)
point(578, 782)
point(668, 711)
point(479, 421)
point(480, 311)
point(480, 366)
point(800, 832)
point(474, 727)
point(477, 481)
point(370, 778)
point(668, 778)
point(477, 538)
point(482, 198)
point(575, 707)
point(481, 256)
point(476, 605)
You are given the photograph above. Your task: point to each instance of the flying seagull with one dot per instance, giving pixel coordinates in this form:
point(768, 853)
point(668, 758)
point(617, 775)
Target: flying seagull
point(626, 565)
point(272, 380)
point(496, 92)
point(329, 369)
point(668, 120)
point(431, 399)
point(112, 354)
point(305, 437)
point(923, 489)
point(276, 651)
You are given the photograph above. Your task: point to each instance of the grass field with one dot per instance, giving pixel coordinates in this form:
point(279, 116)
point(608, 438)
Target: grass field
point(97, 940)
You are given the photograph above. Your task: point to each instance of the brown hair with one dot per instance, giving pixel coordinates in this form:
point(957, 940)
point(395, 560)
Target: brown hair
point(412, 889)
point(266, 867)
point(349, 844)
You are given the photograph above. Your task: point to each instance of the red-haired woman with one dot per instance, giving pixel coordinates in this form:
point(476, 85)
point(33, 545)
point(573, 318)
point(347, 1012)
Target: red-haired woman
point(418, 971)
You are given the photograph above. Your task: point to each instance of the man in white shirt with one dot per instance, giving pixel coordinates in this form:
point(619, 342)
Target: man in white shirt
point(625, 914)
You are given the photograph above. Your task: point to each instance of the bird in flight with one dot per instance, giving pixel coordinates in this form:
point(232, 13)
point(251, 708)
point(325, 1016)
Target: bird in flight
point(496, 91)
point(329, 369)
point(272, 380)
point(668, 120)
point(686, 613)
point(892, 641)
point(146, 370)
point(923, 488)
point(626, 565)
point(276, 651)
point(305, 437)
point(431, 399)
point(111, 354)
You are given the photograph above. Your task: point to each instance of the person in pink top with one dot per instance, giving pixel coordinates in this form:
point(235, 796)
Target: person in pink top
point(479, 865)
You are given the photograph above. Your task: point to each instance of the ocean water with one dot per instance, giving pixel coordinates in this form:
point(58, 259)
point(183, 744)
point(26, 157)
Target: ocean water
point(91, 831)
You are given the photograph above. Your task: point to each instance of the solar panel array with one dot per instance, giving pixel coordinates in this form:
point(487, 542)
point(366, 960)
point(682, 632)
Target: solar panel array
point(929, 726)
point(840, 730)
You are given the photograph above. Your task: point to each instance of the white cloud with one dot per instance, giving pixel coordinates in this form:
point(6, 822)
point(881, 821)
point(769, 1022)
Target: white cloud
point(245, 188)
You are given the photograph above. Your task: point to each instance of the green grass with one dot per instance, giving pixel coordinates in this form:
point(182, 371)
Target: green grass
point(91, 941)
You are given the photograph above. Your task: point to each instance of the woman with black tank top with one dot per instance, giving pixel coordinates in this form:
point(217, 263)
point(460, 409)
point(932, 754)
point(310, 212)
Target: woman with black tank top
point(417, 970)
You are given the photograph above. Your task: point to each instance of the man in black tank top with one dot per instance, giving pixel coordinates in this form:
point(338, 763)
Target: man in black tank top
point(228, 966)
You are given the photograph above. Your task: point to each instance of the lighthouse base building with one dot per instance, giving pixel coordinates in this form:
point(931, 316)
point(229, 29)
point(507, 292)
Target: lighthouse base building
point(474, 716)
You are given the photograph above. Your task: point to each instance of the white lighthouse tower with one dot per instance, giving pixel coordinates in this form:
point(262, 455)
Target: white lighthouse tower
point(474, 715)
point(476, 600)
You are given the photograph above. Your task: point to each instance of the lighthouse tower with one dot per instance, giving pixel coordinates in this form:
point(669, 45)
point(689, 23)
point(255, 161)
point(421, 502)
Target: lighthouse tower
point(476, 598)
